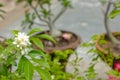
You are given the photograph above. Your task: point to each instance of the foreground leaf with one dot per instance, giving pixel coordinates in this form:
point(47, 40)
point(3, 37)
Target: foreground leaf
point(47, 37)
point(38, 43)
point(34, 31)
point(28, 70)
point(114, 13)
point(44, 74)
point(24, 66)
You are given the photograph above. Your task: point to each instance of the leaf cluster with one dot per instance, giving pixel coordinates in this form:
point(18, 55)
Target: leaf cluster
point(14, 66)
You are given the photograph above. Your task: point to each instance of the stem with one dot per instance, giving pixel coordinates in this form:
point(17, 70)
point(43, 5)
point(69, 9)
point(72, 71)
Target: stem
point(37, 3)
point(106, 23)
point(53, 31)
point(49, 7)
point(59, 14)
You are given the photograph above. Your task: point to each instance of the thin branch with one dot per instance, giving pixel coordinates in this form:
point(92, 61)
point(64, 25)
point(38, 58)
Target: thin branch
point(108, 8)
point(106, 21)
point(59, 14)
point(49, 7)
point(37, 4)
point(37, 14)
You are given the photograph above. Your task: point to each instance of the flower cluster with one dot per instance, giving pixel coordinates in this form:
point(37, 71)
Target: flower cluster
point(22, 42)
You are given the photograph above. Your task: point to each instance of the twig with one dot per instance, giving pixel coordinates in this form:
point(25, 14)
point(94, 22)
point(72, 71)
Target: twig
point(49, 7)
point(37, 3)
point(37, 14)
point(59, 14)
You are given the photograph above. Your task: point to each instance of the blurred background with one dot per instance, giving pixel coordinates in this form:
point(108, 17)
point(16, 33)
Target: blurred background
point(84, 19)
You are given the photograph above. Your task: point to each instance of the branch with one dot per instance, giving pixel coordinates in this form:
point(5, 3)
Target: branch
point(106, 21)
point(49, 8)
point(37, 3)
point(39, 17)
point(59, 14)
point(108, 8)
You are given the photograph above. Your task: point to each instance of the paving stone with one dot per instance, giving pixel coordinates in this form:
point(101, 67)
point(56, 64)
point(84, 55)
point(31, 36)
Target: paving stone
point(100, 67)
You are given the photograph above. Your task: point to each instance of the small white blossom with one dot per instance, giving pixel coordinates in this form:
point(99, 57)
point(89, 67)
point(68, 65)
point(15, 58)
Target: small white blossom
point(52, 76)
point(22, 42)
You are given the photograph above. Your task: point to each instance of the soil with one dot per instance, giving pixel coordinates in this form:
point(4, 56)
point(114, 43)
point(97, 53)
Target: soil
point(115, 49)
point(63, 43)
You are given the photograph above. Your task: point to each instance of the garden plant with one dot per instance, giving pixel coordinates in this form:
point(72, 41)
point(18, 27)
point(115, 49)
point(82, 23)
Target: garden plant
point(18, 59)
point(110, 39)
point(110, 42)
point(43, 14)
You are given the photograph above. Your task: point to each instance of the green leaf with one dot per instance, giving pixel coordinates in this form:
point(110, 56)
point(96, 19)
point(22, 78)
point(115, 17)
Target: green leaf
point(34, 31)
point(15, 32)
point(44, 74)
point(1, 48)
point(1, 5)
point(33, 16)
point(24, 66)
point(38, 43)
point(38, 57)
point(114, 13)
point(90, 73)
point(69, 51)
point(66, 3)
point(27, 16)
point(48, 37)
point(21, 64)
point(28, 70)
point(95, 37)
point(103, 1)
point(34, 53)
point(2, 11)
point(102, 42)
point(114, 73)
point(3, 70)
point(60, 54)
point(10, 59)
point(9, 41)
point(30, 2)
point(117, 4)
point(42, 63)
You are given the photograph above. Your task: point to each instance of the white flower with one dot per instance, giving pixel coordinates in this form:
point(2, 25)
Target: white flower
point(52, 76)
point(22, 42)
